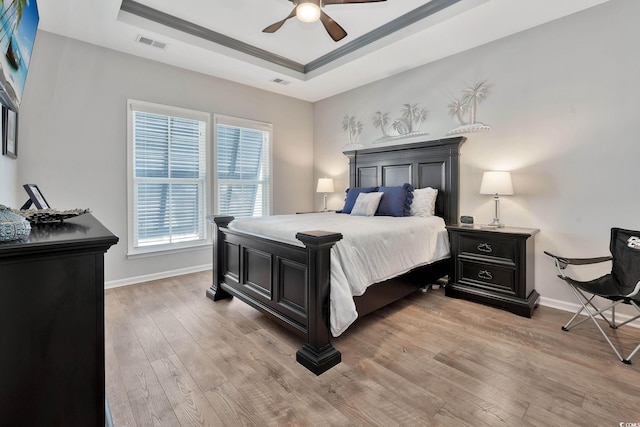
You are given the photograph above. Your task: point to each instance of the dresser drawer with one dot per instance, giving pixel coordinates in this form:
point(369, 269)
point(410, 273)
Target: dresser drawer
point(489, 247)
point(488, 276)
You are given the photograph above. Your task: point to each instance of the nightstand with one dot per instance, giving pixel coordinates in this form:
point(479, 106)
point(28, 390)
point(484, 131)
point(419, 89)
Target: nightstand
point(493, 266)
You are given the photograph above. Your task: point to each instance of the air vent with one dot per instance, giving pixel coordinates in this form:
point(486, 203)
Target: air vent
point(150, 42)
point(280, 81)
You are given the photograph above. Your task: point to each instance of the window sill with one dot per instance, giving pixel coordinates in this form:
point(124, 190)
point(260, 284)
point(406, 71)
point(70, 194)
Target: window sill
point(146, 253)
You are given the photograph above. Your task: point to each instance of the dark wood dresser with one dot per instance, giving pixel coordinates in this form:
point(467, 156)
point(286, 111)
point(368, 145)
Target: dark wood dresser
point(52, 325)
point(493, 266)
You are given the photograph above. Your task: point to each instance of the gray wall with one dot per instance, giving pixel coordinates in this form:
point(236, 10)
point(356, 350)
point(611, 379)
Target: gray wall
point(564, 109)
point(8, 181)
point(73, 137)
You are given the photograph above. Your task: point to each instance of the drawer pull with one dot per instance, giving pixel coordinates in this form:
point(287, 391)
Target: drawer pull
point(485, 247)
point(485, 274)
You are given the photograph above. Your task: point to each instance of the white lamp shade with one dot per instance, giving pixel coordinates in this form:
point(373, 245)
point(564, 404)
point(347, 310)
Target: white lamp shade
point(325, 185)
point(496, 182)
point(308, 12)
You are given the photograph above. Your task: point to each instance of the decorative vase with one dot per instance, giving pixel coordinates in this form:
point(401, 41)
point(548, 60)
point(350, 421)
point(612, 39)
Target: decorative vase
point(12, 225)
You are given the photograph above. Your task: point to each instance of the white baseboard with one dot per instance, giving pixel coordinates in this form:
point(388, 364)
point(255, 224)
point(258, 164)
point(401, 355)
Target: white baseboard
point(573, 307)
point(155, 276)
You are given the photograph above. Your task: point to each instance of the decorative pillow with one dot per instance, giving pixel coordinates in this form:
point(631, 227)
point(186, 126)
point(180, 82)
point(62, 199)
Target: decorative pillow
point(352, 195)
point(424, 201)
point(396, 201)
point(366, 204)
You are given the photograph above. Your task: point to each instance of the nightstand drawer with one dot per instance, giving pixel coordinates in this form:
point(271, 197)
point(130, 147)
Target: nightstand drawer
point(488, 246)
point(494, 277)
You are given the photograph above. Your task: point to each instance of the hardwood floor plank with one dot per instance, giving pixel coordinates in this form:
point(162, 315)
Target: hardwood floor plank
point(174, 357)
point(188, 402)
point(149, 404)
point(231, 406)
point(201, 367)
point(301, 402)
point(189, 320)
point(114, 383)
point(454, 387)
point(121, 414)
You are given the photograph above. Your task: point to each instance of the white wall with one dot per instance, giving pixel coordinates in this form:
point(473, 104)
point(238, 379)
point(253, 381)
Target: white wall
point(8, 181)
point(73, 136)
point(564, 108)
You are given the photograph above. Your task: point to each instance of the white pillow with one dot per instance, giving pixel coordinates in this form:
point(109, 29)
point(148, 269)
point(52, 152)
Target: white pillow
point(424, 201)
point(366, 204)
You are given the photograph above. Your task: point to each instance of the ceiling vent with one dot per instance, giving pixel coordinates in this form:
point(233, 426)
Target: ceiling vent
point(150, 42)
point(280, 81)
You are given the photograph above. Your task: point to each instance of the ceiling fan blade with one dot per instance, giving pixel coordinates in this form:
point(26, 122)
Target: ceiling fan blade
point(275, 27)
point(350, 1)
point(334, 29)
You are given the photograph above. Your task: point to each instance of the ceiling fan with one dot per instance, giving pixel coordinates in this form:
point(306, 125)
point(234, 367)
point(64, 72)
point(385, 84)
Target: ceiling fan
point(311, 11)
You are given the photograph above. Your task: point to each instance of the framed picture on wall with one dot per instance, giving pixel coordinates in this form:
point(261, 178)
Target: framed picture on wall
point(9, 133)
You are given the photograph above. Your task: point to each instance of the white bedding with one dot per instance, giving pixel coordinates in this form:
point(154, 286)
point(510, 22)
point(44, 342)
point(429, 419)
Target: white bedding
point(373, 249)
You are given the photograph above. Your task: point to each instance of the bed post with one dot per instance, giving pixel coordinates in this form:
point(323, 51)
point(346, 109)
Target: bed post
point(317, 354)
point(215, 292)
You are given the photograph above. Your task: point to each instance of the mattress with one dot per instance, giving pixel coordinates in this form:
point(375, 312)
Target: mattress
point(373, 249)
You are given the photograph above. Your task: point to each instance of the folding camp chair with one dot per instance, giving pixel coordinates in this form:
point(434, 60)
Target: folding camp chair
point(621, 286)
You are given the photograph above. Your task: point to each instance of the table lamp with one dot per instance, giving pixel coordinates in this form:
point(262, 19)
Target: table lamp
point(325, 185)
point(496, 183)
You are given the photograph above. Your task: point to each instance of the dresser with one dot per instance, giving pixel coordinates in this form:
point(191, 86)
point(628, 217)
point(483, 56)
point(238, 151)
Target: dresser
point(494, 266)
point(52, 325)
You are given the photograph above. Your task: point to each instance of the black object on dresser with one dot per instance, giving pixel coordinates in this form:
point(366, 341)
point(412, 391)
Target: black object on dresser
point(493, 266)
point(52, 325)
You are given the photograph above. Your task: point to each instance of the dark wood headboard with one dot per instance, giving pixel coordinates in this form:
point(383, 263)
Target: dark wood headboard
point(423, 164)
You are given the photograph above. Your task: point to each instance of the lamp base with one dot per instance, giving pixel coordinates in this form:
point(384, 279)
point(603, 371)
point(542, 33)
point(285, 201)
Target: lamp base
point(496, 218)
point(492, 226)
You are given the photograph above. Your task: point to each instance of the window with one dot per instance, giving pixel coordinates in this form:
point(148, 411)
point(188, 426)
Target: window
point(243, 171)
point(167, 177)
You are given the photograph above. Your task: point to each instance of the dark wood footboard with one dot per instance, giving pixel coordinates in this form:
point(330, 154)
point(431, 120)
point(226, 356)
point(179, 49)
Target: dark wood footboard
point(287, 282)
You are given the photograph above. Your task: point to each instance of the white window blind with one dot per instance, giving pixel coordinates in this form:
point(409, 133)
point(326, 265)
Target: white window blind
point(169, 172)
point(243, 167)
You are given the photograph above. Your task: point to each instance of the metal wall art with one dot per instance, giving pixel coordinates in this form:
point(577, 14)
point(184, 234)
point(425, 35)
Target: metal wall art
point(412, 117)
point(353, 128)
point(471, 97)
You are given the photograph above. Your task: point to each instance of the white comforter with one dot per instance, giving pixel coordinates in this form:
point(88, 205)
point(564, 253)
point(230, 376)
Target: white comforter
point(372, 249)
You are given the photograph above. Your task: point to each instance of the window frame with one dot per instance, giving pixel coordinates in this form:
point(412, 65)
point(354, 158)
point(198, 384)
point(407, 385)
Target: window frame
point(134, 251)
point(242, 123)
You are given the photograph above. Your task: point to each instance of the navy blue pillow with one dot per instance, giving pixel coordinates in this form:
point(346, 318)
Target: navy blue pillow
point(396, 201)
point(352, 195)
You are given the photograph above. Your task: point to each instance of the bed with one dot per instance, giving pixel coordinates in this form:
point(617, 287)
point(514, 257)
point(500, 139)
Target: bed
point(291, 282)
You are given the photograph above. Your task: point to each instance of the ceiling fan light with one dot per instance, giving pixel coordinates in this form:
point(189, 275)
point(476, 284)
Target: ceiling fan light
point(308, 12)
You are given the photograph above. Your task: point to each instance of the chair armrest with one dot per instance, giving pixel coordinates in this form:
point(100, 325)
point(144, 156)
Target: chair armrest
point(564, 261)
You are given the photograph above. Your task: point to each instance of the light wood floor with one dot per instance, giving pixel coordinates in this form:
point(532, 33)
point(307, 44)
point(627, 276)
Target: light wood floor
point(174, 357)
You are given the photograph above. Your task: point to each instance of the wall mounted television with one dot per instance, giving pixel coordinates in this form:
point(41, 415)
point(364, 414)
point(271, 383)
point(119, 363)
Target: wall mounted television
point(18, 25)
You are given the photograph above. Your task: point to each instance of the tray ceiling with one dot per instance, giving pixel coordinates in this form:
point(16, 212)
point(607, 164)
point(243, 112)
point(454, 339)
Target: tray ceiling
point(225, 38)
